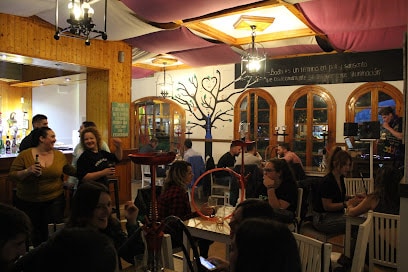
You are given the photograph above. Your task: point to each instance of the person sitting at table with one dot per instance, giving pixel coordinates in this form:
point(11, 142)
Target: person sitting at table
point(251, 156)
point(264, 245)
point(249, 208)
point(94, 163)
point(92, 208)
point(281, 188)
point(71, 249)
point(174, 201)
point(330, 198)
point(15, 231)
point(385, 198)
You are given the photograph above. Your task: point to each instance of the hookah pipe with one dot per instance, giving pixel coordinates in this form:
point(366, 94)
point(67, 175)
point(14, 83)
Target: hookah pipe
point(153, 229)
point(241, 177)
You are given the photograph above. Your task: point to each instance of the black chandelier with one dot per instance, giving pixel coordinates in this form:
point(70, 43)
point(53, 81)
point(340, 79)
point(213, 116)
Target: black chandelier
point(80, 22)
point(253, 61)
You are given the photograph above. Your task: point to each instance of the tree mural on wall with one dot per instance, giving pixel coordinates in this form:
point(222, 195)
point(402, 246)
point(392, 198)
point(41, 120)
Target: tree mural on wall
point(211, 103)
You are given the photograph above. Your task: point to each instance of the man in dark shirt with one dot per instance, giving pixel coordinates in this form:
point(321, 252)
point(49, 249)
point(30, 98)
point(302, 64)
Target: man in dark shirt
point(391, 137)
point(228, 159)
point(224, 177)
point(39, 121)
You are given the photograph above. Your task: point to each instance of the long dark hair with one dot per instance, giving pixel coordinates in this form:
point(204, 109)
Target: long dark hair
point(84, 203)
point(265, 245)
point(37, 134)
point(338, 158)
point(281, 166)
point(386, 186)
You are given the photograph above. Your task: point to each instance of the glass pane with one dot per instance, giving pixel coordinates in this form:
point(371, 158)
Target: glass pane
point(318, 102)
point(149, 109)
point(262, 103)
point(243, 116)
point(166, 109)
point(319, 116)
point(299, 147)
point(301, 102)
point(263, 117)
point(244, 104)
point(364, 100)
point(300, 131)
point(157, 109)
point(318, 131)
point(300, 116)
point(384, 100)
point(263, 131)
point(362, 115)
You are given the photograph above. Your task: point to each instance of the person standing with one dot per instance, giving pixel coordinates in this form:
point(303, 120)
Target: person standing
point(37, 172)
point(94, 163)
point(79, 149)
point(391, 134)
point(39, 121)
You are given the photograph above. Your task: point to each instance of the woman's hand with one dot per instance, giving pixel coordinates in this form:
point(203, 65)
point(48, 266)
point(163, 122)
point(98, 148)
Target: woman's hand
point(270, 183)
point(131, 212)
point(206, 210)
point(110, 171)
point(117, 142)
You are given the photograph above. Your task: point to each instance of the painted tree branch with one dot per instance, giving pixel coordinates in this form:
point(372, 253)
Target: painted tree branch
point(208, 99)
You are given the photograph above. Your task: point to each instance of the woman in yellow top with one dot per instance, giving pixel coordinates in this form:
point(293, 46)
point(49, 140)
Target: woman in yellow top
point(37, 172)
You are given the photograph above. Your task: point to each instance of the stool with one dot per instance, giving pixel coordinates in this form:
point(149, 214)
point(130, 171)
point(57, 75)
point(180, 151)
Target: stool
point(116, 209)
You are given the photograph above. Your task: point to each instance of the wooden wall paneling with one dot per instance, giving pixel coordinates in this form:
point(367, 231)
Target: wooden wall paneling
point(113, 84)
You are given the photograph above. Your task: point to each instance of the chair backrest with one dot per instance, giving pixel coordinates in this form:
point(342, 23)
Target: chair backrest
point(384, 240)
point(314, 254)
point(198, 166)
point(254, 184)
point(361, 245)
point(358, 185)
point(299, 208)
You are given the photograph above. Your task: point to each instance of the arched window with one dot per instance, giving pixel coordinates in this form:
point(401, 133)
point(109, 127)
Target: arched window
point(257, 108)
point(160, 118)
point(311, 118)
point(365, 102)
point(369, 98)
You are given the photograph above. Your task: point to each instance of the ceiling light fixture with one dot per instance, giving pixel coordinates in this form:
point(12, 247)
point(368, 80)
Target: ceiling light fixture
point(164, 83)
point(80, 22)
point(253, 61)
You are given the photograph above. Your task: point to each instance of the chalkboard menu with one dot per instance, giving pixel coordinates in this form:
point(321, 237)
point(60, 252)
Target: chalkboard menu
point(331, 69)
point(120, 119)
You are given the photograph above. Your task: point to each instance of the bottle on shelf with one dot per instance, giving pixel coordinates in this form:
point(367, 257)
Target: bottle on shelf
point(13, 146)
point(2, 149)
point(8, 145)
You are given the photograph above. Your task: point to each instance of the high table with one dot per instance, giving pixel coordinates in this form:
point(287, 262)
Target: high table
point(351, 220)
point(210, 230)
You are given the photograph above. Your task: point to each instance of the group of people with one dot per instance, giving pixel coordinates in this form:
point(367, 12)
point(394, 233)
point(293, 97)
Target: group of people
point(260, 240)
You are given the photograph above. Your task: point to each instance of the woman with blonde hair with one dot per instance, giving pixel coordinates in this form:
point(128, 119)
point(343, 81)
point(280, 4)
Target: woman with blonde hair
point(174, 201)
point(330, 199)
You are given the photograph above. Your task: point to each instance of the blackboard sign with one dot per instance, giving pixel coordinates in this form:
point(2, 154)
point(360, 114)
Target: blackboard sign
point(120, 119)
point(331, 69)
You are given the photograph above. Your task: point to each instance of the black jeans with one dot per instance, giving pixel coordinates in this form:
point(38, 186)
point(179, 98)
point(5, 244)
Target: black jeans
point(42, 214)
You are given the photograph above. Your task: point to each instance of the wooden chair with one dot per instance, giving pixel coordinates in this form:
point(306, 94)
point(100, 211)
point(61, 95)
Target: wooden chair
point(314, 254)
point(384, 240)
point(358, 185)
point(298, 219)
point(364, 231)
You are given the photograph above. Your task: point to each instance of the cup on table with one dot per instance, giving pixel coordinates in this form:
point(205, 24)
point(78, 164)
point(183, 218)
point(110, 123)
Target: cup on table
point(212, 203)
point(220, 215)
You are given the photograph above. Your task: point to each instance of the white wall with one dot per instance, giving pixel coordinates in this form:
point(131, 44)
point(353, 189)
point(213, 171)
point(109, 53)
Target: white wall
point(340, 92)
point(65, 107)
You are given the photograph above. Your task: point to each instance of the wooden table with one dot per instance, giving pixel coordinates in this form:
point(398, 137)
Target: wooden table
point(210, 230)
point(355, 221)
point(313, 171)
